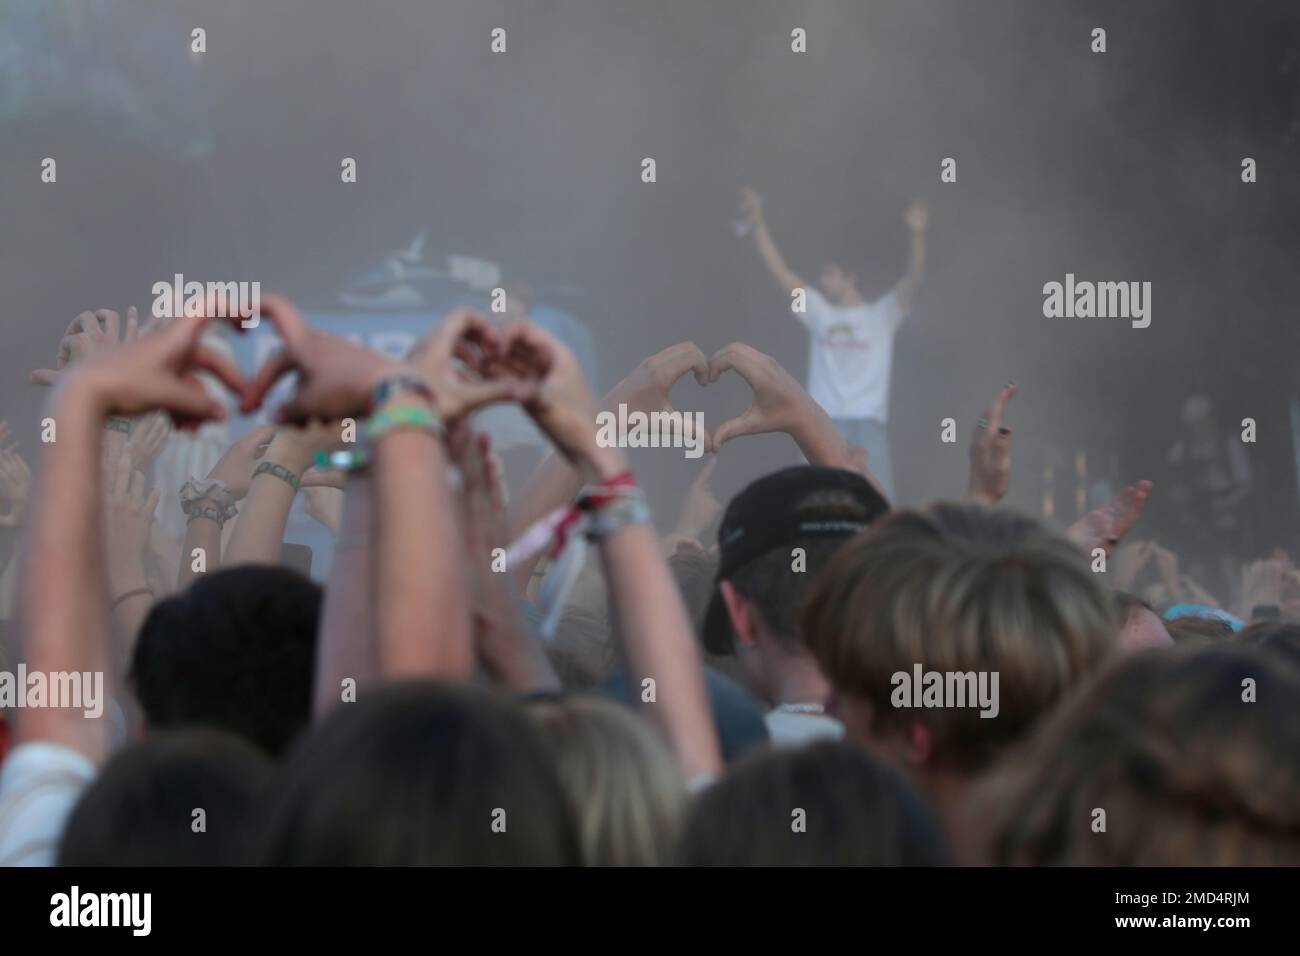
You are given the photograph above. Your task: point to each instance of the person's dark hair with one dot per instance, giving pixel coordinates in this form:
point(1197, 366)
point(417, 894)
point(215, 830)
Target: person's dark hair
point(771, 583)
point(235, 651)
point(1278, 637)
point(1192, 629)
point(184, 799)
point(826, 804)
point(1193, 754)
point(421, 774)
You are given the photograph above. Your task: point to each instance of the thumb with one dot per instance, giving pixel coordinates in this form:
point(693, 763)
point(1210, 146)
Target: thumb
point(746, 424)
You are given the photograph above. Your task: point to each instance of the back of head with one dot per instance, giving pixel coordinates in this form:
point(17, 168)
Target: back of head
point(1173, 757)
point(620, 776)
point(183, 799)
point(776, 534)
point(962, 592)
point(827, 804)
point(421, 774)
point(234, 651)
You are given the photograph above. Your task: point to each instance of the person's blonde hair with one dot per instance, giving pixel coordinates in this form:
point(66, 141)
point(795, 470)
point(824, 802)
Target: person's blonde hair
point(959, 589)
point(1187, 769)
point(621, 778)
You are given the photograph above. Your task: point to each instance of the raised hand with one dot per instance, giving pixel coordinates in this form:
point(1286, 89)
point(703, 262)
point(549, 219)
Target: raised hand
point(88, 334)
point(751, 205)
point(990, 452)
point(917, 216)
point(462, 361)
point(128, 518)
point(324, 504)
point(779, 401)
point(15, 482)
point(647, 387)
point(235, 467)
point(148, 439)
point(1104, 527)
point(156, 372)
point(336, 379)
point(562, 405)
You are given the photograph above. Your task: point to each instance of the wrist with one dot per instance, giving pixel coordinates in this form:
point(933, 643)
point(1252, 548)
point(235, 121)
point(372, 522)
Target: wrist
point(129, 577)
point(603, 464)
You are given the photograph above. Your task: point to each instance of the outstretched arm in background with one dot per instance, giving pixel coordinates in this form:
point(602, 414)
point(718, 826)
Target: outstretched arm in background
point(752, 206)
point(916, 218)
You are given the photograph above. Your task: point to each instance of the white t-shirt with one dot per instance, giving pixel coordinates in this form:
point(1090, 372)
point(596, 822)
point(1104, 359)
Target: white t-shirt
point(849, 355)
point(40, 783)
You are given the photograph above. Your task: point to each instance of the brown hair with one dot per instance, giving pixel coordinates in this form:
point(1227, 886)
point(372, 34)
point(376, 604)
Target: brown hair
point(959, 589)
point(1188, 769)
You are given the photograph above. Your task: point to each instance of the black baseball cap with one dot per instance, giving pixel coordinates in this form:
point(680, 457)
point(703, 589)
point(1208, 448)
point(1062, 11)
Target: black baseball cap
point(766, 515)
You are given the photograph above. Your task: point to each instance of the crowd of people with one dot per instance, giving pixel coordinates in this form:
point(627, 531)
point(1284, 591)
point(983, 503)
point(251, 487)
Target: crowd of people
point(544, 675)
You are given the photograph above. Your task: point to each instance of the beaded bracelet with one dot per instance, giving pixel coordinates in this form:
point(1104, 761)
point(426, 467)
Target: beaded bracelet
point(216, 514)
point(281, 472)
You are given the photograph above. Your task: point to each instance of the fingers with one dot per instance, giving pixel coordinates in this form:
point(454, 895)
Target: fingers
point(288, 323)
point(272, 370)
point(737, 357)
point(706, 473)
point(132, 325)
point(120, 479)
point(151, 505)
point(477, 394)
point(111, 324)
point(189, 403)
point(746, 424)
point(42, 376)
point(258, 436)
point(223, 367)
point(135, 484)
point(998, 409)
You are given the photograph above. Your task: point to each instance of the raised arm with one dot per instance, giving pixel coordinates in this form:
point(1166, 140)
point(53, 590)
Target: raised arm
point(421, 614)
point(646, 388)
point(654, 630)
point(64, 607)
point(752, 207)
point(916, 218)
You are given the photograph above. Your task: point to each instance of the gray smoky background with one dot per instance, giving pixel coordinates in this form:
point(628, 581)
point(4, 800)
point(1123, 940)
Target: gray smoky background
point(1123, 166)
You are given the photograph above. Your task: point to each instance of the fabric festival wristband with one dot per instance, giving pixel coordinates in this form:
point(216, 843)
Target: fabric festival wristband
point(118, 424)
point(281, 472)
point(616, 516)
point(401, 417)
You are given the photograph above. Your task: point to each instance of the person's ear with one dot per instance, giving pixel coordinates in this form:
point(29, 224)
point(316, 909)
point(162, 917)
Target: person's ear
point(741, 613)
point(918, 742)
